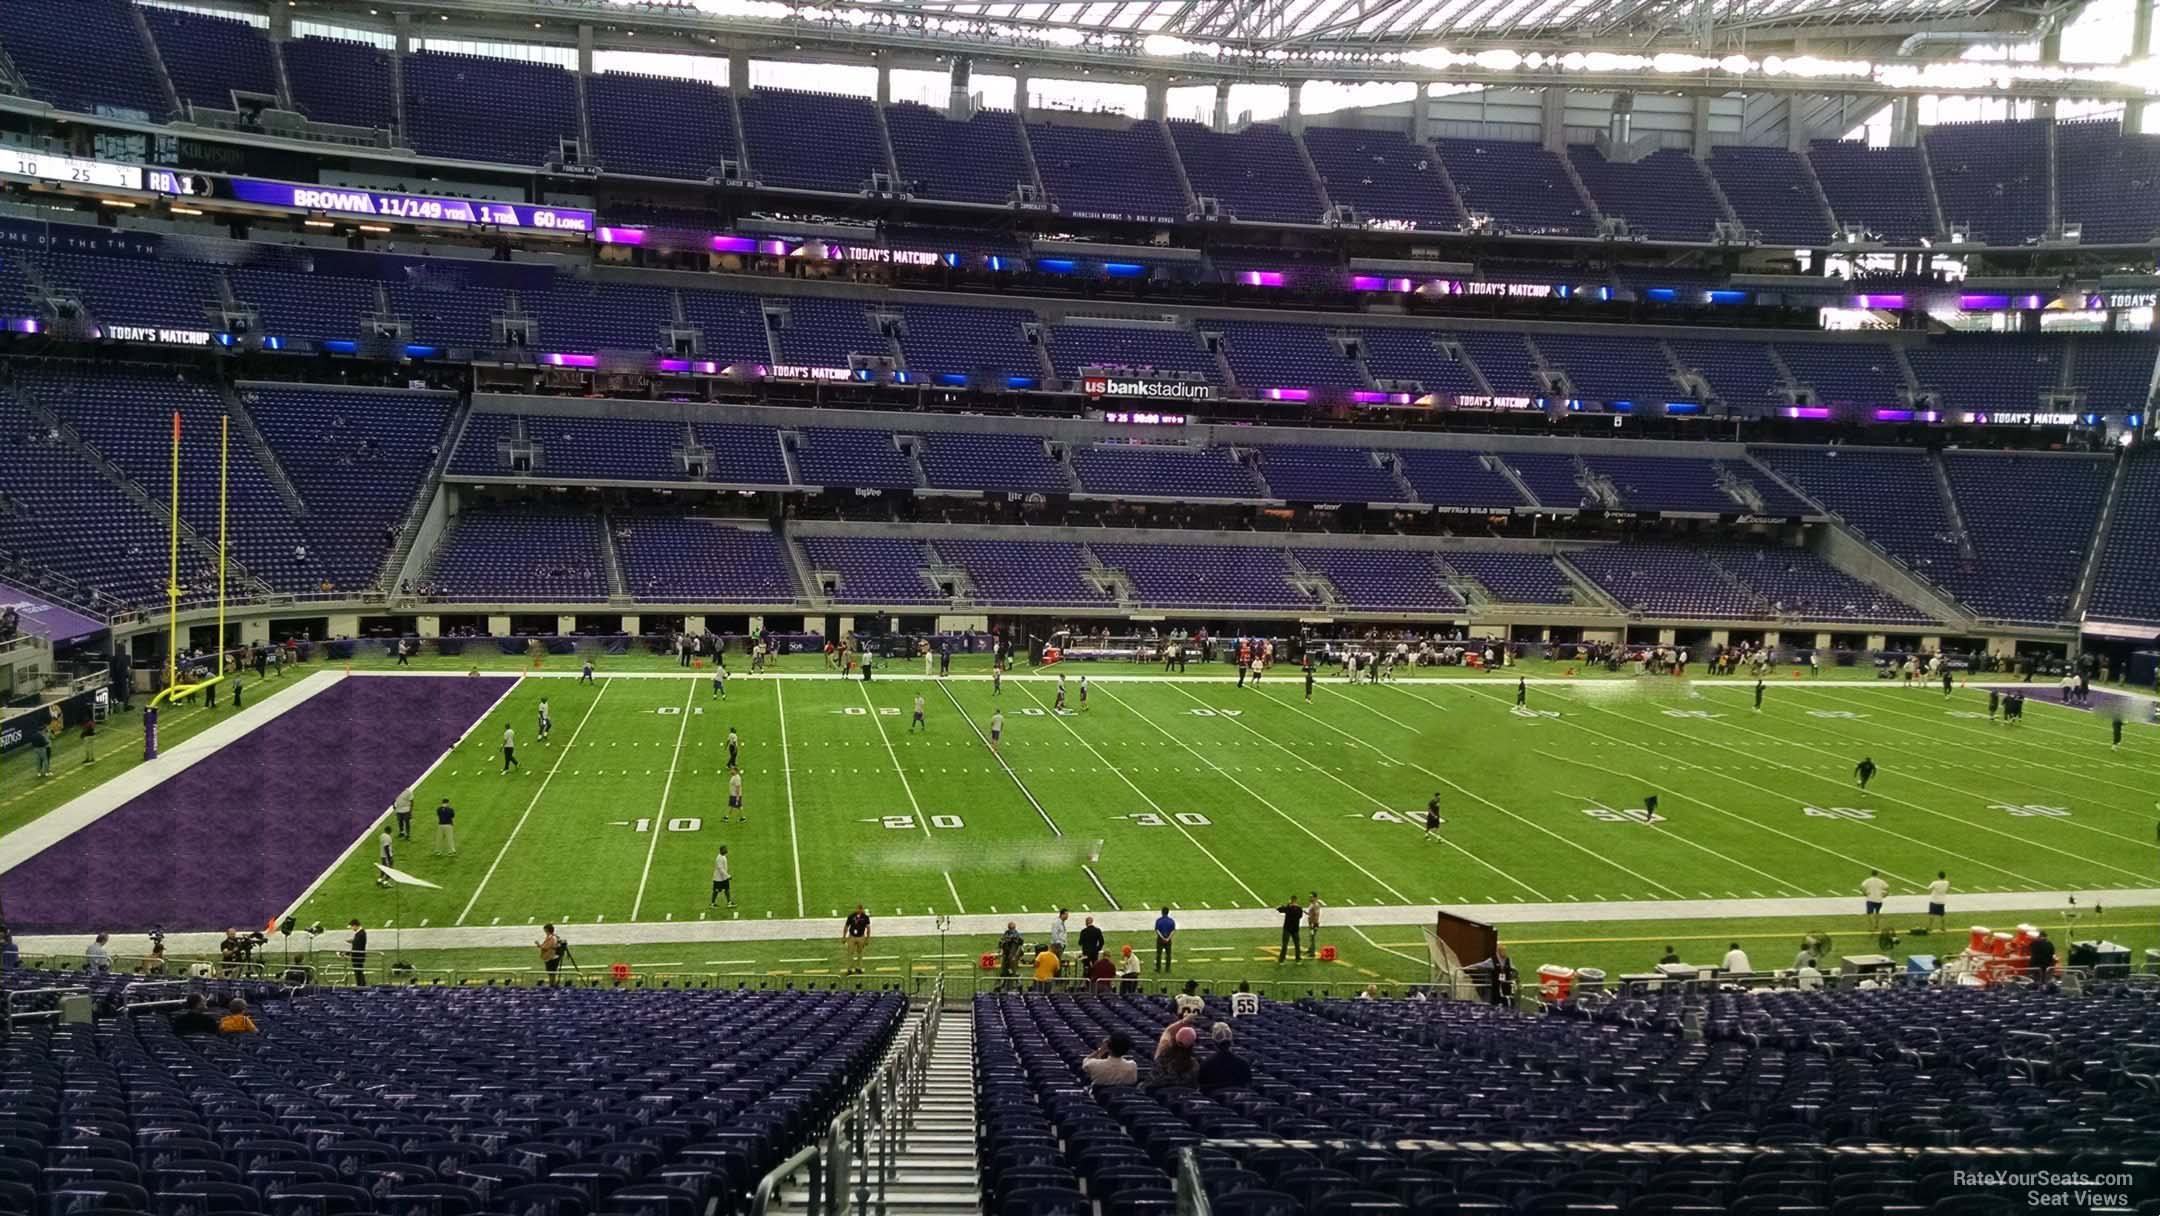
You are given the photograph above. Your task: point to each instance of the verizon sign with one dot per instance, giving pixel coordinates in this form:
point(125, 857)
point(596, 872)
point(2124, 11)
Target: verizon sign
point(1169, 390)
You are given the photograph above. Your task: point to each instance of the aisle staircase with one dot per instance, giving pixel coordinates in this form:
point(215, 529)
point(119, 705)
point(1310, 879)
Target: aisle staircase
point(906, 1144)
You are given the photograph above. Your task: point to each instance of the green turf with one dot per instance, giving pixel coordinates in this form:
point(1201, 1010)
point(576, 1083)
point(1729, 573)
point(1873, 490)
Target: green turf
point(1207, 796)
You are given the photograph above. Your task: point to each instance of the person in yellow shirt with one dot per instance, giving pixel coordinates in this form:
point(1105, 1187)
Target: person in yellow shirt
point(236, 1019)
point(1046, 968)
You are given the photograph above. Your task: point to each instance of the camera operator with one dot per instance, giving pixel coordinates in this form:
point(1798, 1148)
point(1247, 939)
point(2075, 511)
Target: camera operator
point(356, 951)
point(551, 951)
point(154, 962)
point(237, 951)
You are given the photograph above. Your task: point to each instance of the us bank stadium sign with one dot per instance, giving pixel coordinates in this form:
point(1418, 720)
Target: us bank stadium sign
point(1170, 390)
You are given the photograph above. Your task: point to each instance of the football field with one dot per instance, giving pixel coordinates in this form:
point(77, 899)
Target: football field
point(1201, 795)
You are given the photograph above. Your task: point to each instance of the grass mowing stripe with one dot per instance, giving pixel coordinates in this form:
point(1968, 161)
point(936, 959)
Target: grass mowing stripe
point(1632, 873)
point(2012, 874)
point(1608, 769)
point(552, 770)
point(1369, 797)
point(946, 688)
point(1256, 796)
point(659, 823)
point(2002, 736)
point(2042, 790)
point(2027, 841)
point(1167, 817)
point(787, 778)
point(922, 821)
point(1721, 773)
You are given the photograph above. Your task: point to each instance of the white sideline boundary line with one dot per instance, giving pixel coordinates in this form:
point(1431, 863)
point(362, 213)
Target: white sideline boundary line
point(369, 830)
point(1109, 673)
point(94, 804)
point(1142, 920)
point(550, 776)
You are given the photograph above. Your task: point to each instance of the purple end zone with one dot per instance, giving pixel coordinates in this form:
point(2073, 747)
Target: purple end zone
point(234, 839)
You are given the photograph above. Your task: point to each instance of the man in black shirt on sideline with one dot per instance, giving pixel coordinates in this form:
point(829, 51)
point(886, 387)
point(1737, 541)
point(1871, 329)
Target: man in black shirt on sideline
point(1292, 944)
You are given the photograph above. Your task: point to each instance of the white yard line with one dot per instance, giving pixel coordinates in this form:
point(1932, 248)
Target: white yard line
point(921, 820)
point(1477, 797)
point(1301, 758)
point(1157, 807)
point(544, 780)
point(370, 829)
point(659, 823)
point(1256, 796)
point(787, 778)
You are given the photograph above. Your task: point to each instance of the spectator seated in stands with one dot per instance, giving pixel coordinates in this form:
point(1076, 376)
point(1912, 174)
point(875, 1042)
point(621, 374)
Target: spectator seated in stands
point(195, 1017)
point(10, 625)
point(1111, 1064)
point(1224, 1069)
point(1175, 1063)
point(236, 1019)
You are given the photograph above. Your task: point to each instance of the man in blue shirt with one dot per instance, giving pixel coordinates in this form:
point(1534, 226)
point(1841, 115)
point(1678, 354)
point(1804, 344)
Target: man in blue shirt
point(1165, 929)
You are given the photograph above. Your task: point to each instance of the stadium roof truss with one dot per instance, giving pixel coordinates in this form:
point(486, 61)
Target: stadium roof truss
point(1288, 40)
point(1580, 23)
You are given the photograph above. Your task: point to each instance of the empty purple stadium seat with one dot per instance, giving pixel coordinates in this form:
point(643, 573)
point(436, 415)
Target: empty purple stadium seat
point(1453, 477)
point(1383, 580)
point(528, 108)
point(1162, 348)
point(514, 554)
point(1994, 372)
point(1317, 473)
point(1512, 576)
point(1071, 159)
point(845, 457)
point(1523, 187)
point(980, 160)
point(211, 58)
point(341, 82)
point(676, 558)
point(1161, 470)
point(1025, 572)
point(1405, 355)
point(2114, 371)
point(2105, 179)
point(870, 569)
point(1267, 355)
point(848, 146)
point(1385, 176)
point(1612, 370)
point(1205, 576)
point(1256, 175)
point(1739, 373)
point(653, 126)
point(1993, 178)
point(1662, 196)
point(992, 462)
point(2126, 586)
point(1880, 190)
point(1770, 192)
point(959, 345)
point(84, 55)
point(1846, 373)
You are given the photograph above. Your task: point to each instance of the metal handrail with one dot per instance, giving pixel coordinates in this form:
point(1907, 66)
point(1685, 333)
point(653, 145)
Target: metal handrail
point(8, 997)
point(1191, 1190)
point(861, 1144)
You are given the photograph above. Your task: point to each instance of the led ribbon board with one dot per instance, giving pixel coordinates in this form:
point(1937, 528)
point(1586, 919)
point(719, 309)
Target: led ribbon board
point(418, 208)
